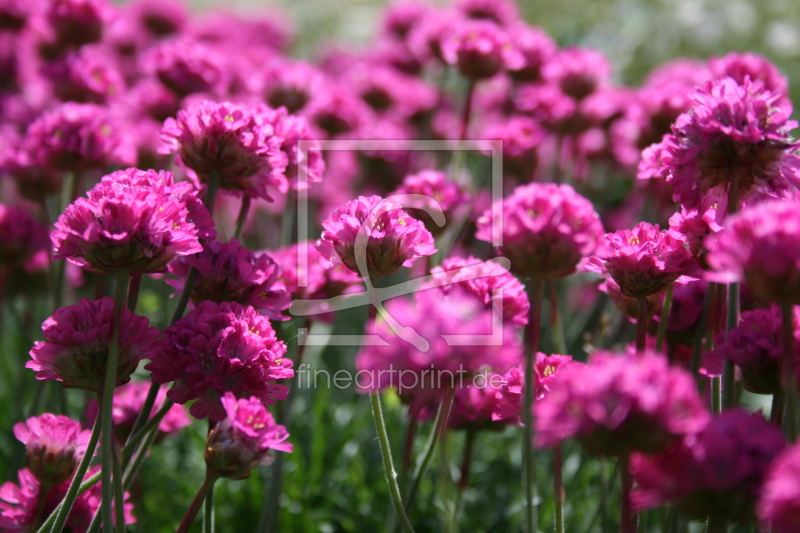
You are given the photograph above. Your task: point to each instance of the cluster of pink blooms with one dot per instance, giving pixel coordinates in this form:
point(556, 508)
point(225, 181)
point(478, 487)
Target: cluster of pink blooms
point(97, 100)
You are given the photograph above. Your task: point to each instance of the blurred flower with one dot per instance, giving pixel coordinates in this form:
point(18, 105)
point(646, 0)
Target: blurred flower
point(716, 472)
point(55, 445)
point(510, 396)
point(643, 261)
point(502, 12)
point(439, 191)
point(160, 18)
point(134, 208)
point(243, 439)
point(229, 272)
point(238, 143)
point(90, 74)
point(187, 66)
point(578, 72)
point(292, 130)
point(536, 48)
point(391, 238)
point(73, 23)
point(620, 403)
point(778, 506)
point(23, 240)
point(546, 229)
point(740, 66)
point(292, 84)
point(760, 246)
point(480, 49)
point(76, 343)
point(219, 348)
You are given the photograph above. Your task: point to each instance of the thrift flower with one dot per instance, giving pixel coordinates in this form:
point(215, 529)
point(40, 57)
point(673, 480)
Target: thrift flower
point(55, 446)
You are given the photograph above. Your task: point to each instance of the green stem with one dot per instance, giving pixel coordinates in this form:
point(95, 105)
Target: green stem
point(199, 498)
point(208, 512)
point(555, 319)
point(776, 413)
point(386, 453)
point(133, 292)
point(700, 333)
point(467, 112)
point(789, 374)
point(558, 488)
point(665, 311)
point(641, 325)
point(151, 425)
point(58, 517)
point(242, 218)
point(532, 332)
point(716, 525)
point(106, 400)
point(119, 494)
point(626, 516)
point(212, 188)
point(728, 390)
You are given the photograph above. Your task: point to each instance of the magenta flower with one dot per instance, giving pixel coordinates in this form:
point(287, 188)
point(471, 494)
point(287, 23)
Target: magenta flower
point(511, 394)
point(502, 12)
point(438, 191)
point(76, 341)
point(291, 84)
point(291, 130)
point(18, 504)
point(521, 136)
point(237, 143)
point(620, 403)
point(128, 402)
point(390, 92)
point(694, 227)
point(480, 49)
point(55, 446)
point(760, 246)
point(132, 220)
point(418, 360)
point(88, 75)
point(243, 439)
point(755, 347)
point(391, 238)
point(716, 472)
point(229, 272)
point(399, 18)
point(187, 66)
point(320, 282)
point(77, 137)
point(732, 130)
point(778, 507)
point(15, 14)
point(219, 348)
point(643, 261)
point(482, 279)
point(536, 48)
point(546, 229)
point(741, 66)
point(578, 72)
point(337, 111)
point(74, 23)
point(159, 17)
point(23, 240)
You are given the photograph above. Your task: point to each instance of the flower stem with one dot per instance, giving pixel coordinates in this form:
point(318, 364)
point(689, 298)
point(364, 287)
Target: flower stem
point(411, 433)
point(242, 218)
point(119, 494)
point(199, 498)
point(555, 319)
point(439, 425)
point(789, 373)
point(59, 516)
point(41, 501)
point(702, 324)
point(641, 325)
point(212, 188)
point(558, 488)
point(106, 399)
point(465, 115)
point(728, 394)
point(532, 332)
point(208, 512)
point(466, 460)
point(133, 292)
point(665, 311)
point(626, 517)
point(386, 453)
point(776, 413)
point(716, 525)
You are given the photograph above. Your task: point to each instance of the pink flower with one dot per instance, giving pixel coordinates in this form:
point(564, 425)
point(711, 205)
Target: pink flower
point(89, 75)
point(741, 66)
point(243, 439)
point(511, 395)
point(482, 279)
point(76, 341)
point(77, 137)
point(546, 229)
point(128, 402)
point(400, 17)
point(337, 111)
point(476, 401)
point(55, 446)
point(778, 507)
point(308, 166)
point(18, 504)
point(731, 129)
point(643, 261)
point(620, 403)
point(159, 17)
point(694, 227)
point(132, 220)
point(73, 23)
point(23, 240)
point(521, 137)
point(760, 246)
point(320, 282)
point(292, 84)
point(502, 12)
point(237, 143)
point(480, 49)
point(229, 272)
point(219, 348)
point(187, 66)
point(391, 238)
point(578, 72)
point(438, 191)
point(536, 48)
point(390, 92)
point(716, 472)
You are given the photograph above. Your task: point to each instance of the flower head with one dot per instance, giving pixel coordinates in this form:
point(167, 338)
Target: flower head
point(391, 238)
point(55, 446)
point(188, 66)
point(578, 72)
point(643, 261)
point(76, 343)
point(778, 506)
point(237, 143)
point(88, 75)
point(229, 272)
point(735, 135)
point(309, 279)
point(77, 137)
point(536, 48)
point(133, 219)
point(74, 23)
point(438, 191)
point(23, 240)
point(511, 394)
point(219, 348)
point(617, 404)
point(306, 166)
point(716, 472)
point(480, 49)
point(760, 246)
point(243, 439)
point(546, 229)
